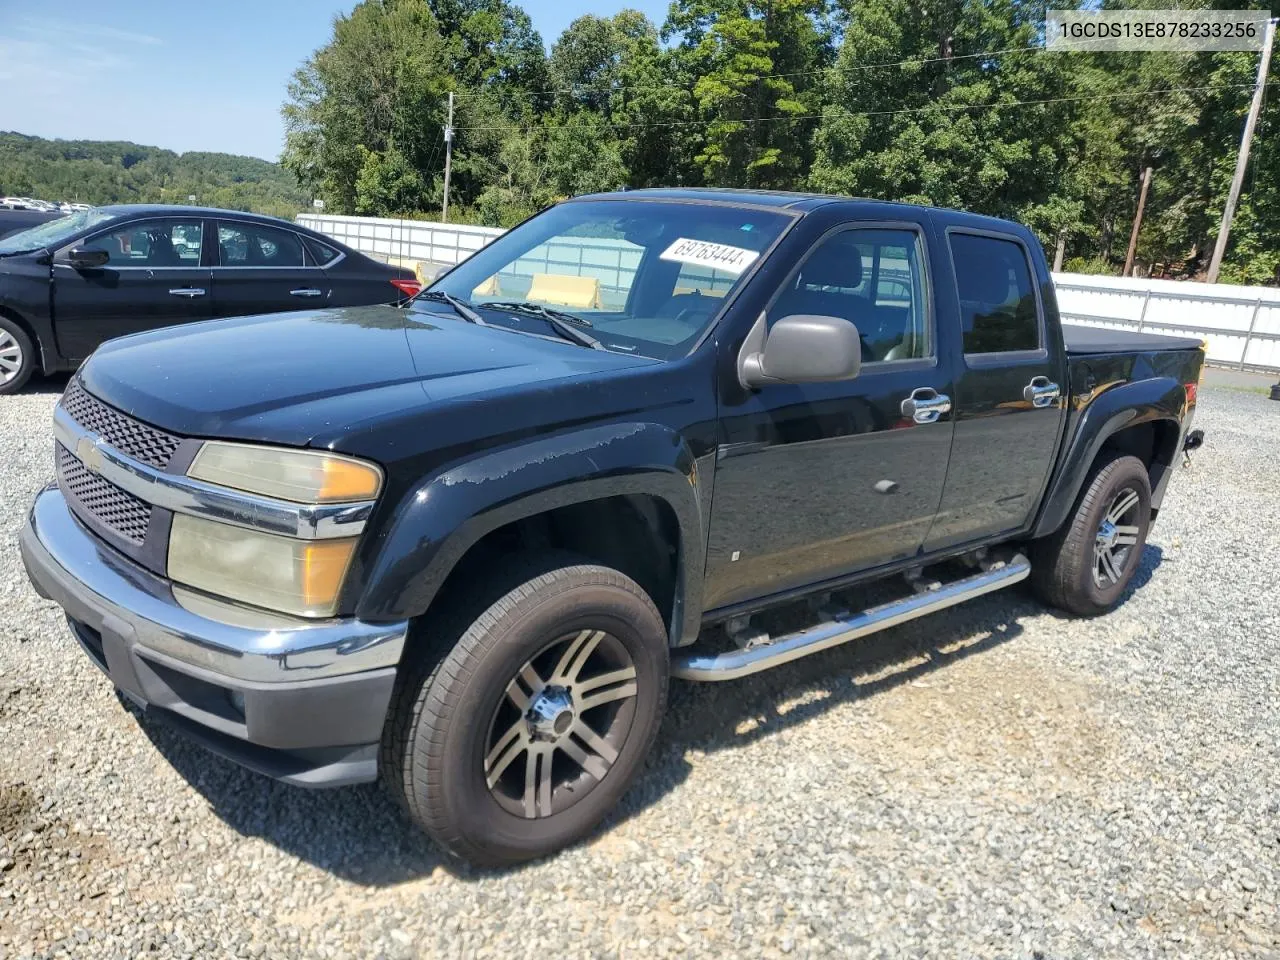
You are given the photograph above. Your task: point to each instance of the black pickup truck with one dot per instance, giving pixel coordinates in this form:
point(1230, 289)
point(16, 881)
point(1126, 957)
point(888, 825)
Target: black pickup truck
point(464, 543)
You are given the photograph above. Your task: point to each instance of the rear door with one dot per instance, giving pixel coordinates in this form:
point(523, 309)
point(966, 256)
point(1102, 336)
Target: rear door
point(1009, 404)
point(817, 481)
point(153, 278)
point(263, 269)
point(355, 280)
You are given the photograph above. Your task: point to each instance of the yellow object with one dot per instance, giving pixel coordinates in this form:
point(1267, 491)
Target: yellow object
point(302, 476)
point(487, 289)
point(565, 290)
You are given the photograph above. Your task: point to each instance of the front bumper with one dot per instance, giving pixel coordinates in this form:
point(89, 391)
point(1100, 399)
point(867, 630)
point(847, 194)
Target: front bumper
point(301, 701)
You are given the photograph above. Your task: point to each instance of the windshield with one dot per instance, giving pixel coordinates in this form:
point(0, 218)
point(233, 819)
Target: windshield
point(52, 233)
point(647, 276)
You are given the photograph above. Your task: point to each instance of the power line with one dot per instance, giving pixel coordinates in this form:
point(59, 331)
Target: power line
point(848, 114)
point(912, 61)
point(775, 76)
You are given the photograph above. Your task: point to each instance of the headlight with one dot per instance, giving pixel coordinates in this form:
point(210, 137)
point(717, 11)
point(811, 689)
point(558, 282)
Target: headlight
point(301, 577)
point(302, 476)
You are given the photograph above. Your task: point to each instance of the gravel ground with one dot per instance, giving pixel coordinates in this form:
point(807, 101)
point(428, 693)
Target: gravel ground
point(993, 782)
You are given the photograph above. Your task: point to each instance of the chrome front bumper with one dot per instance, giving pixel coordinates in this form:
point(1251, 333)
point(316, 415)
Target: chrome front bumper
point(316, 690)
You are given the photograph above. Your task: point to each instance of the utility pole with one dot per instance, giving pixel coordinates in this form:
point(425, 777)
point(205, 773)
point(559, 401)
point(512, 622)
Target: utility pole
point(1059, 253)
point(1137, 224)
point(448, 158)
point(1242, 158)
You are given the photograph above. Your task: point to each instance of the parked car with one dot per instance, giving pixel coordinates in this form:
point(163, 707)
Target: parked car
point(464, 545)
point(124, 269)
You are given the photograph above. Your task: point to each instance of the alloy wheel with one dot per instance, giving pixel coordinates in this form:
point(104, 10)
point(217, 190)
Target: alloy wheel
point(10, 357)
point(561, 724)
point(1116, 537)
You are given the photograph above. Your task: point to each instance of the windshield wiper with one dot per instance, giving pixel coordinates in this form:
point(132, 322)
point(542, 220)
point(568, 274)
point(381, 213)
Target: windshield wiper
point(459, 307)
point(537, 309)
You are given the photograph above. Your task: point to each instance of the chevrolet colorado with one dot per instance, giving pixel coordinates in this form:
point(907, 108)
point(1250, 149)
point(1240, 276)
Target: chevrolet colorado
point(463, 543)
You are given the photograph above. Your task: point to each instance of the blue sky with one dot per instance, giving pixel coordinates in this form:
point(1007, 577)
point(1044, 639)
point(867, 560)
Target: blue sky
point(178, 74)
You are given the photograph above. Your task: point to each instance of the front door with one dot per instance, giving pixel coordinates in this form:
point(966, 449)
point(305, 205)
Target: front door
point(262, 269)
point(1008, 392)
point(816, 481)
point(153, 278)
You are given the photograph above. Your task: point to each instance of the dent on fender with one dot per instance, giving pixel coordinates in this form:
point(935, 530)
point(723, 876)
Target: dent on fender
point(438, 521)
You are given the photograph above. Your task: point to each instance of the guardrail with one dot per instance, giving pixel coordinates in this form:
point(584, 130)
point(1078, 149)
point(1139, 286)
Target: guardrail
point(1241, 324)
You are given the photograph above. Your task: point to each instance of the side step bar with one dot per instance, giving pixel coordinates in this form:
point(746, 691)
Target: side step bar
point(742, 663)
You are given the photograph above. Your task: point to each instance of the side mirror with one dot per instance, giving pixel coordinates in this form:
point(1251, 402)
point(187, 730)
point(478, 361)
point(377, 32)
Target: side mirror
point(83, 259)
point(803, 348)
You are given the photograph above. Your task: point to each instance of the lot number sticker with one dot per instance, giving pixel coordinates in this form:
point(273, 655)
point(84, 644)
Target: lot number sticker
point(720, 256)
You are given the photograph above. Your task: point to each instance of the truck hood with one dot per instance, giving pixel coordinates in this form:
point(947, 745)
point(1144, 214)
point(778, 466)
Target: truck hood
point(290, 378)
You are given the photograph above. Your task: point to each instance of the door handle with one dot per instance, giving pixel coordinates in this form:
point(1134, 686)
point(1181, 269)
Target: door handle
point(306, 292)
point(1041, 392)
point(925, 405)
point(187, 292)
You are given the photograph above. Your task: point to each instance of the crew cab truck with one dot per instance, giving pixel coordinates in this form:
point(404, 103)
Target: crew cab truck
point(464, 543)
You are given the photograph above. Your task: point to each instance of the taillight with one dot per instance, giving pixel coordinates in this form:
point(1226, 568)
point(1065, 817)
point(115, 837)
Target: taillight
point(409, 288)
point(1193, 391)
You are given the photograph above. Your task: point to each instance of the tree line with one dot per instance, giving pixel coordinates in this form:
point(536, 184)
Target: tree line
point(949, 102)
point(104, 172)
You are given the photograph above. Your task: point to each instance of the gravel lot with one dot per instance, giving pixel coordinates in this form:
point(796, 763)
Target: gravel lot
point(992, 782)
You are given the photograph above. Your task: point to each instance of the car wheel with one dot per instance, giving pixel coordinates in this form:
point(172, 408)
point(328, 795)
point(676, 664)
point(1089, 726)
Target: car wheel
point(1085, 567)
point(17, 356)
point(522, 738)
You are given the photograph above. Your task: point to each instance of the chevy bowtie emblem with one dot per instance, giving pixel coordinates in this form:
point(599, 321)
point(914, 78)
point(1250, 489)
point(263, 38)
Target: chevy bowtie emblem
point(90, 454)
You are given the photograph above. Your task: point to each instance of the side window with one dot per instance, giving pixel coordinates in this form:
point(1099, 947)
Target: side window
point(997, 296)
point(251, 245)
point(152, 243)
point(321, 254)
point(874, 277)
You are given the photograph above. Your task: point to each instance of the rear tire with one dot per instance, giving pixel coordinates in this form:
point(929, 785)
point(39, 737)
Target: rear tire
point(1086, 565)
point(17, 356)
point(522, 737)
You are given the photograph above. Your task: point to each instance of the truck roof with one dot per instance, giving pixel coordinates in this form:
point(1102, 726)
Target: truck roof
point(801, 202)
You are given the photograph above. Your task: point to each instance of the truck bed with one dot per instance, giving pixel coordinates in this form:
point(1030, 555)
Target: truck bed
point(1098, 340)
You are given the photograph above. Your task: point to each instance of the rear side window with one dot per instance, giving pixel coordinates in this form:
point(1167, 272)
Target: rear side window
point(321, 255)
point(252, 245)
point(997, 296)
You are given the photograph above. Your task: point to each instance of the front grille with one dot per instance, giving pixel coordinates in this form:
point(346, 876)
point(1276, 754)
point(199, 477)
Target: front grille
point(146, 444)
point(117, 510)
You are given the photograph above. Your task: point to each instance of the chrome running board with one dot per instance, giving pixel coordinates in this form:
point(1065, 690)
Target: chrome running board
point(741, 663)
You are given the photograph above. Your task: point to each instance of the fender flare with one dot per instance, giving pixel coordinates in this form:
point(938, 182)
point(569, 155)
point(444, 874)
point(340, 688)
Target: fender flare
point(438, 520)
point(1113, 410)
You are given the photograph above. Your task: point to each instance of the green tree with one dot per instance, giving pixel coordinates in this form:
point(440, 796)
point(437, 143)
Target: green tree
point(377, 87)
point(758, 67)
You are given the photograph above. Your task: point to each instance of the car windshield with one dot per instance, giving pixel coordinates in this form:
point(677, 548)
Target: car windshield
point(52, 232)
point(646, 276)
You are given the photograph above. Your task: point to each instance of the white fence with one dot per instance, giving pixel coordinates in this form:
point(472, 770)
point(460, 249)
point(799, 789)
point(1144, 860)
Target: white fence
point(406, 239)
point(1241, 324)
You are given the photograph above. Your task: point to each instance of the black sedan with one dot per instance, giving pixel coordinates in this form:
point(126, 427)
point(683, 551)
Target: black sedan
point(69, 284)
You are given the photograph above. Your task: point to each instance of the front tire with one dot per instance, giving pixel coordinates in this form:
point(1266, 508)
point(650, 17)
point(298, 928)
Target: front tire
point(524, 736)
point(1085, 567)
point(17, 356)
